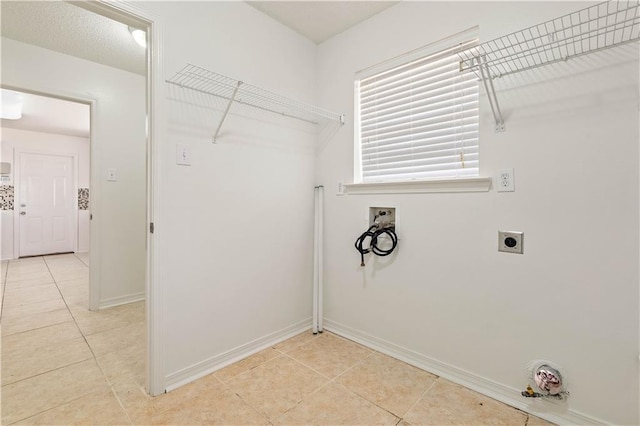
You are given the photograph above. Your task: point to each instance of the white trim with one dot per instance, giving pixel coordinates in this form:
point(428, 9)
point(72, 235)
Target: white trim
point(480, 184)
point(208, 366)
point(384, 127)
point(94, 184)
point(76, 212)
point(95, 235)
point(128, 11)
point(556, 412)
point(155, 301)
point(122, 300)
point(420, 52)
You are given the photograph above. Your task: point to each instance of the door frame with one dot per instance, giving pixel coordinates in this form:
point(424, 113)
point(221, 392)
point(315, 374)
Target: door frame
point(94, 262)
point(125, 11)
point(17, 182)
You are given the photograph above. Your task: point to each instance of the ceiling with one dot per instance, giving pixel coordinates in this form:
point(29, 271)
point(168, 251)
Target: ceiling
point(69, 29)
point(66, 28)
point(320, 20)
point(51, 115)
point(72, 30)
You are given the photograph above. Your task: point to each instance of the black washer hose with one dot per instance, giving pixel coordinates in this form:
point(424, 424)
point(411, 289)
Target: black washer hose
point(373, 232)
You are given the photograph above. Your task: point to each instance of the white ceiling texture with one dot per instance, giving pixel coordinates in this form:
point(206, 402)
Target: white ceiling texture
point(66, 28)
point(320, 20)
point(70, 30)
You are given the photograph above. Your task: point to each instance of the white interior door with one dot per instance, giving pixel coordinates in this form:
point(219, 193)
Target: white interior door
point(46, 204)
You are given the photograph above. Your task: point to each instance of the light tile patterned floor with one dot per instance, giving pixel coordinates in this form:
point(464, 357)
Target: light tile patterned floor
point(62, 364)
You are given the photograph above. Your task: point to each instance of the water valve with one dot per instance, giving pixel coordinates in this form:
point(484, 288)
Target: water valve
point(382, 217)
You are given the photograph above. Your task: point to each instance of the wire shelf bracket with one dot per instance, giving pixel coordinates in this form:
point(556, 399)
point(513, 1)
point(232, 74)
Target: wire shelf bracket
point(595, 28)
point(235, 91)
point(487, 82)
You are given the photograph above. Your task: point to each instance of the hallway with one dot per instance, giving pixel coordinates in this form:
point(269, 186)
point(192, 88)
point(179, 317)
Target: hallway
point(53, 344)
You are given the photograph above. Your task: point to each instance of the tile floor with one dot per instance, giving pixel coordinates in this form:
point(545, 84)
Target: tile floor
point(62, 364)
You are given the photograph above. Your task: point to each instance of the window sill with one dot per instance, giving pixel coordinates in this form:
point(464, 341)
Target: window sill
point(479, 184)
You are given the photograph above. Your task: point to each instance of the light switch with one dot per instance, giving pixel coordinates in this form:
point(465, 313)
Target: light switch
point(183, 155)
point(111, 175)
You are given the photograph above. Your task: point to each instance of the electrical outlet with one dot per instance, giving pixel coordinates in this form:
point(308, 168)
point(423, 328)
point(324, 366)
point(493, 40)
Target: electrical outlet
point(505, 181)
point(510, 241)
point(340, 188)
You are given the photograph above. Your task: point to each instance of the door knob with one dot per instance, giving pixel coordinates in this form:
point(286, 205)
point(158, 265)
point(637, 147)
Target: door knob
point(23, 213)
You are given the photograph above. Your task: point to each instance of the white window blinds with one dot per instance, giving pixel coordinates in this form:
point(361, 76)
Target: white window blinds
point(419, 119)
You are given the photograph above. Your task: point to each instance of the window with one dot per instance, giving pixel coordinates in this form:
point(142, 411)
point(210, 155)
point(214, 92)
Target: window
point(417, 116)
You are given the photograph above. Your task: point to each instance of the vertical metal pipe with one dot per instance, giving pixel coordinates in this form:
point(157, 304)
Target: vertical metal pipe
point(320, 257)
point(315, 261)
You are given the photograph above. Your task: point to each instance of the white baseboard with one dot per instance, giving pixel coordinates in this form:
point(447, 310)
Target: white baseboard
point(208, 366)
point(556, 412)
point(121, 300)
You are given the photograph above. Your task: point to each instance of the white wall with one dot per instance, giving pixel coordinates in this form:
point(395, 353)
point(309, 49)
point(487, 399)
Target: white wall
point(234, 239)
point(235, 229)
point(14, 141)
point(118, 208)
point(449, 301)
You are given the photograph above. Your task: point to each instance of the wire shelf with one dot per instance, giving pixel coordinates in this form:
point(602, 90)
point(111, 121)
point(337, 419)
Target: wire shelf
point(595, 28)
point(234, 91)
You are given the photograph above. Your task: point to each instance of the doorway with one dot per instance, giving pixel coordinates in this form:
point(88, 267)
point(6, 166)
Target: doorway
point(112, 171)
point(46, 204)
point(46, 166)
